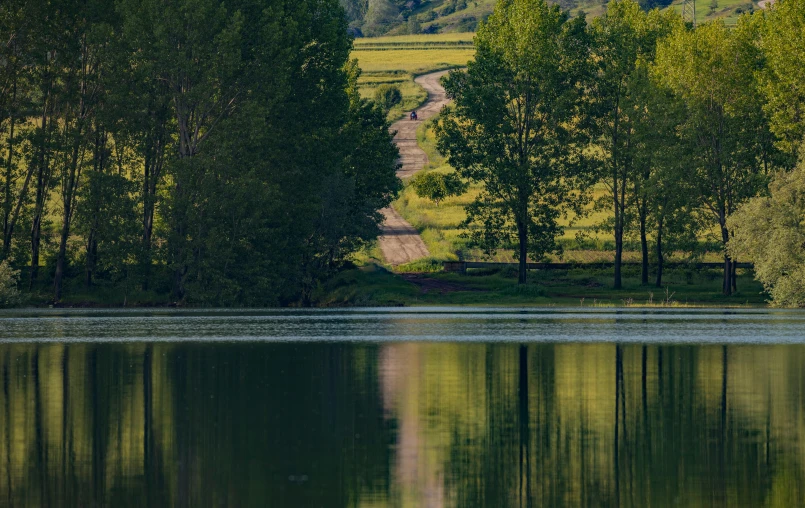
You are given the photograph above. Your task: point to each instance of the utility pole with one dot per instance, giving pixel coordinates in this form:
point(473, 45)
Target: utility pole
point(689, 12)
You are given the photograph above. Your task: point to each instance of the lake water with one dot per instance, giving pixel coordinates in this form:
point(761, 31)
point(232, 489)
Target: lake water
point(424, 407)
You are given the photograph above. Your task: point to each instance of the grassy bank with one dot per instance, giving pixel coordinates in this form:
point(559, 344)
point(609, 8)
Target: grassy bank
point(585, 287)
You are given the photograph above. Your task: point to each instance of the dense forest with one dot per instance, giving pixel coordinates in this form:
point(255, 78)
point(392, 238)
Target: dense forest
point(193, 151)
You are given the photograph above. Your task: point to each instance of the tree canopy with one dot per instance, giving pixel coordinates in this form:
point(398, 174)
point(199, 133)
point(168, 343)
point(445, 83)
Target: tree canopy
point(215, 151)
point(511, 127)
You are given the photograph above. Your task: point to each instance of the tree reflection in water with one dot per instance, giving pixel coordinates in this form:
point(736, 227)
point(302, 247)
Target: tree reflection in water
point(401, 424)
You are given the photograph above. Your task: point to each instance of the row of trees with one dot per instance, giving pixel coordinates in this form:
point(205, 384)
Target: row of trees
point(215, 150)
point(680, 125)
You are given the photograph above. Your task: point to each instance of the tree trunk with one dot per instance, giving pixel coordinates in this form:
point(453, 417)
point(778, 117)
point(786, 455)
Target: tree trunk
point(152, 171)
point(7, 197)
point(618, 256)
point(42, 185)
point(734, 276)
point(728, 270)
point(92, 258)
point(659, 253)
point(522, 236)
point(73, 174)
point(643, 246)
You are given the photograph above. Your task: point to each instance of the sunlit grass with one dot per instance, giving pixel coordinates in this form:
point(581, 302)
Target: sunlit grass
point(398, 60)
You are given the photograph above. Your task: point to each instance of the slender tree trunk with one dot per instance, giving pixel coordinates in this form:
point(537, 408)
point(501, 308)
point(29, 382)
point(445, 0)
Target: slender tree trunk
point(728, 269)
point(618, 256)
point(42, 187)
point(92, 258)
point(8, 233)
point(659, 252)
point(643, 245)
point(70, 185)
point(98, 166)
point(734, 276)
point(154, 162)
point(7, 196)
point(522, 236)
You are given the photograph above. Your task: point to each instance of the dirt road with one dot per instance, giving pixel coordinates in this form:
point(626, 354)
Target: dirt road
point(400, 243)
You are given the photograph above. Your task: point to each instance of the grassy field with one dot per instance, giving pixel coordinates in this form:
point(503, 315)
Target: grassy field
point(398, 60)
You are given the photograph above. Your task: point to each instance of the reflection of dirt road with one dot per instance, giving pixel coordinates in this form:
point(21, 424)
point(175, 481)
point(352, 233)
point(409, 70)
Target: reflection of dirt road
point(400, 243)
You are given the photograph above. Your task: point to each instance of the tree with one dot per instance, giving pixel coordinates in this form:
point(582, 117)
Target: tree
point(622, 38)
point(414, 27)
point(9, 294)
point(512, 125)
point(782, 39)
point(712, 70)
point(437, 186)
point(387, 96)
point(769, 231)
point(661, 191)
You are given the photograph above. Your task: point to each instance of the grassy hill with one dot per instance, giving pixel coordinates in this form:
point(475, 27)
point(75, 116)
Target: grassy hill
point(403, 17)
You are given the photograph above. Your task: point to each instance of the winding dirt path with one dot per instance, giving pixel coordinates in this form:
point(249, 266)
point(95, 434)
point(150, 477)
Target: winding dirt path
point(400, 242)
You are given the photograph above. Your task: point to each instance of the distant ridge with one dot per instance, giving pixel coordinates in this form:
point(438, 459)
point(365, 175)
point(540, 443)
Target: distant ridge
point(372, 18)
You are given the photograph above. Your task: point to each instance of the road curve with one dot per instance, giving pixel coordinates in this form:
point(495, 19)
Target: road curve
point(399, 242)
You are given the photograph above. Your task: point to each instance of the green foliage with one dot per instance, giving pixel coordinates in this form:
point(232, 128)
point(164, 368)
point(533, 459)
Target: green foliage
point(624, 42)
point(387, 96)
point(9, 277)
point(511, 126)
point(769, 231)
point(437, 186)
point(782, 38)
point(222, 145)
point(712, 71)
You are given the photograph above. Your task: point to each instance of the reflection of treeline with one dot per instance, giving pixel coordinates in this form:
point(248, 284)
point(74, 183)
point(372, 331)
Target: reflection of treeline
point(166, 425)
point(197, 150)
point(610, 425)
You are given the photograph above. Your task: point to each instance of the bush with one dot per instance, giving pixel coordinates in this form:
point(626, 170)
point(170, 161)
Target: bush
point(437, 186)
point(9, 295)
point(388, 96)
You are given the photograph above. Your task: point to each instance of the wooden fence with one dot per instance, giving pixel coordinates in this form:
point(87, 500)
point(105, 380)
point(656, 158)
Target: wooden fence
point(462, 266)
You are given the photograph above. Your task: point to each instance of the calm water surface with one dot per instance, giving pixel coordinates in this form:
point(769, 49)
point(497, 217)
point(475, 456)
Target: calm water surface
point(402, 407)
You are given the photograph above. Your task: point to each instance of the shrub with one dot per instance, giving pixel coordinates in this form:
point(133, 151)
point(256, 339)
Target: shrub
point(437, 186)
point(9, 295)
point(388, 96)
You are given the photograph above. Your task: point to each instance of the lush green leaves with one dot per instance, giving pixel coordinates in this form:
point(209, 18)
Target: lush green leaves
point(437, 186)
point(769, 231)
point(512, 126)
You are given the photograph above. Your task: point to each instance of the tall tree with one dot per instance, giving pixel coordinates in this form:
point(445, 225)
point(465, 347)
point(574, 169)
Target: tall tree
point(782, 39)
point(622, 37)
point(83, 66)
point(196, 48)
point(512, 124)
point(712, 69)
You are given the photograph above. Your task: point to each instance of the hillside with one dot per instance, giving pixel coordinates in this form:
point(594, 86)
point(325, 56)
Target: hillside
point(371, 18)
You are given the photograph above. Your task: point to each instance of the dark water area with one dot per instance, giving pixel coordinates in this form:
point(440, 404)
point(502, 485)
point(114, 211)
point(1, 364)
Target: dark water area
point(402, 408)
